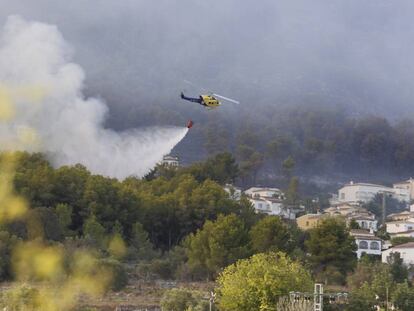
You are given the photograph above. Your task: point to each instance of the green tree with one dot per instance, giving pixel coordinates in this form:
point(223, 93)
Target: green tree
point(362, 299)
point(292, 192)
point(178, 299)
point(364, 272)
point(353, 224)
point(403, 297)
point(7, 244)
point(119, 276)
point(69, 187)
point(250, 162)
point(382, 282)
point(401, 240)
point(102, 199)
point(217, 245)
point(21, 298)
point(331, 248)
point(392, 205)
point(117, 228)
point(222, 168)
point(372, 282)
point(64, 214)
point(259, 282)
point(140, 245)
point(279, 147)
point(43, 223)
point(288, 166)
point(35, 179)
point(217, 138)
point(398, 270)
point(271, 234)
point(94, 231)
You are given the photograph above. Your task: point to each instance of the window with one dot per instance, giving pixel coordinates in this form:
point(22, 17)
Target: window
point(307, 223)
point(374, 245)
point(363, 245)
point(342, 196)
point(363, 225)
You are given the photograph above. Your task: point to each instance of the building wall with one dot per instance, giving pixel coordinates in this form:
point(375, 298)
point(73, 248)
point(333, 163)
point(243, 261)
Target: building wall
point(360, 192)
point(353, 193)
point(260, 206)
point(407, 186)
point(402, 194)
point(367, 224)
point(233, 192)
point(264, 192)
point(367, 246)
point(409, 234)
point(407, 254)
point(309, 221)
point(272, 208)
point(399, 227)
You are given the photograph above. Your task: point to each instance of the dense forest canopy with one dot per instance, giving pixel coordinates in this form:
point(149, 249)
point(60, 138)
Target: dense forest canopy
point(169, 207)
point(323, 142)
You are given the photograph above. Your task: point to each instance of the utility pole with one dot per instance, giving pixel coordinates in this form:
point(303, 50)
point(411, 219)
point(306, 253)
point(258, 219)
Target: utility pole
point(384, 208)
point(384, 204)
point(386, 294)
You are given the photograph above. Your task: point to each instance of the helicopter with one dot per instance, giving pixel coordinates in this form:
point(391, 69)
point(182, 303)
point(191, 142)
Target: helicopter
point(209, 101)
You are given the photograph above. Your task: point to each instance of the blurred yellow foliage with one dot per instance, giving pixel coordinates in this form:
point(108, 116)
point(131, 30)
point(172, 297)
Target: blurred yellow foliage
point(58, 280)
point(28, 137)
point(34, 261)
point(117, 247)
point(11, 205)
point(6, 104)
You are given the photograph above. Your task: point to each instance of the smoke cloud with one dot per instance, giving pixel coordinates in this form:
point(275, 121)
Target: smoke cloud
point(352, 53)
point(49, 109)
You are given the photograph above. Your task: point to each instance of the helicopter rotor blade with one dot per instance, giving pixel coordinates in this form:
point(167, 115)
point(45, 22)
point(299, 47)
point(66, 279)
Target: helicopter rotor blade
point(227, 99)
point(196, 86)
point(216, 95)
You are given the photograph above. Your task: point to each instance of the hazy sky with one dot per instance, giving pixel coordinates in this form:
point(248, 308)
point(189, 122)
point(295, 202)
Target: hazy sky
point(350, 52)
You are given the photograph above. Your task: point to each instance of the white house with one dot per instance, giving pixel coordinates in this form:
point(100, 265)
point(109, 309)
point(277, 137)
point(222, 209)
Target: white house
point(407, 186)
point(366, 242)
point(260, 192)
point(233, 192)
point(406, 253)
point(272, 206)
point(364, 218)
point(404, 215)
point(407, 234)
point(171, 160)
point(270, 201)
point(363, 192)
point(367, 222)
point(400, 226)
point(344, 209)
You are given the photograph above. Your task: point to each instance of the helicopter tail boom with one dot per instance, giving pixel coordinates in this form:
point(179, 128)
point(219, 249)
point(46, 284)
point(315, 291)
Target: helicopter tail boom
point(191, 99)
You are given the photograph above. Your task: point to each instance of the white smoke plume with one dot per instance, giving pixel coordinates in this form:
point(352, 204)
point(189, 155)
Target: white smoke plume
point(35, 70)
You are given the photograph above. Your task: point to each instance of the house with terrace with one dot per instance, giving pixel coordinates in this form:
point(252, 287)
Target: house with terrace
point(366, 242)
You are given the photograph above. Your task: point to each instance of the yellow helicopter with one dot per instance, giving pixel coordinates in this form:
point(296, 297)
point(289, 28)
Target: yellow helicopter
point(210, 101)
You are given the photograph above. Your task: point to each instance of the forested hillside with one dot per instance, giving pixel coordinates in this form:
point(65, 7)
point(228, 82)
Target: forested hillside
point(174, 224)
point(326, 143)
point(69, 199)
